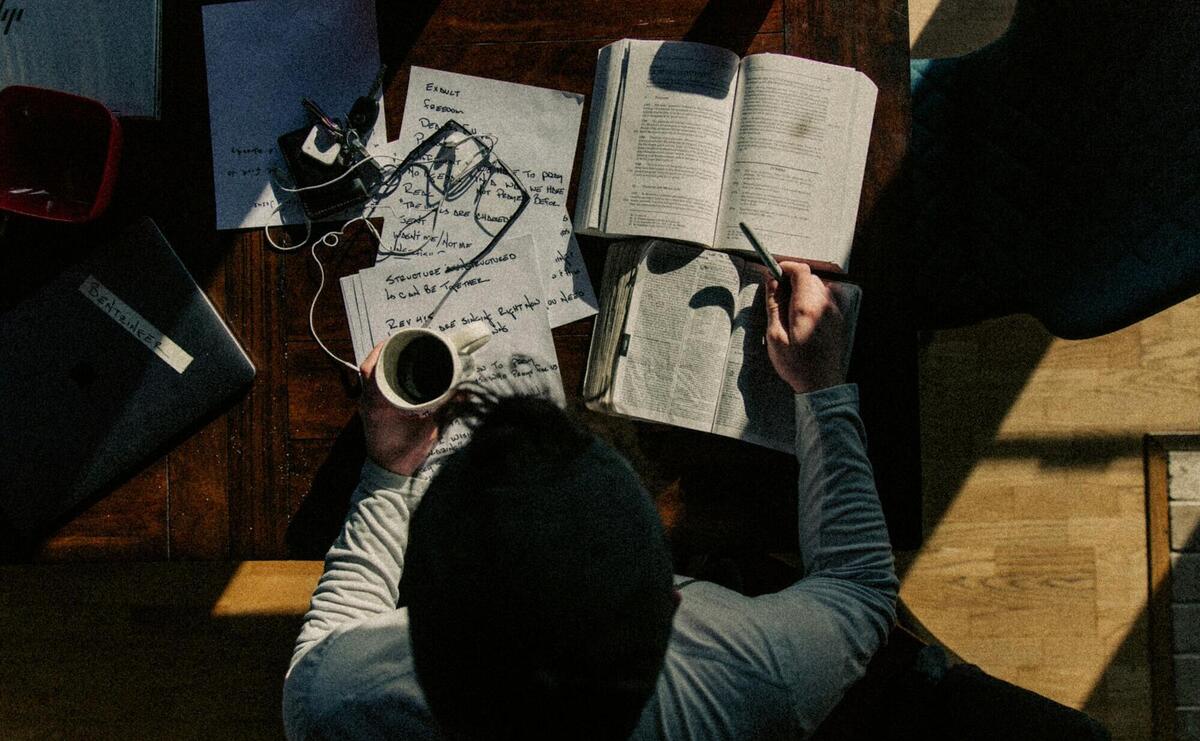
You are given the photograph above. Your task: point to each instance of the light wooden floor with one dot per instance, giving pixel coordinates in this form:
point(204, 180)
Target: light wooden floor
point(948, 28)
point(1034, 565)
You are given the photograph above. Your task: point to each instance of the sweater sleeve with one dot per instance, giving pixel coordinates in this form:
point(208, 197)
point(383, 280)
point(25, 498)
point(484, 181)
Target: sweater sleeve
point(816, 637)
point(778, 663)
point(843, 537)
point(365, 563)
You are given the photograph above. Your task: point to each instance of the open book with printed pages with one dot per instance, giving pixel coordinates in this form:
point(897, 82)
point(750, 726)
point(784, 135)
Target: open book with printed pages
point(685, 140)
point(679, 340)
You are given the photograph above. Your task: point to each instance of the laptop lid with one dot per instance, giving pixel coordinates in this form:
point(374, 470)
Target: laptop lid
point(102, 367)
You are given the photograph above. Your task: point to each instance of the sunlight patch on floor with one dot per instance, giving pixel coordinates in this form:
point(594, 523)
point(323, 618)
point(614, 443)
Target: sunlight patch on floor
point(1036, 568)
point(268, 588)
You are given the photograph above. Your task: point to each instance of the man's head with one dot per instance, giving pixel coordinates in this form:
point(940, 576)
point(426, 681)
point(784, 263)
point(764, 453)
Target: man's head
point(539, 582)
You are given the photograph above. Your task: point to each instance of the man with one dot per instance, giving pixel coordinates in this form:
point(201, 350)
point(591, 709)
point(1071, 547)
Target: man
point(539, 597)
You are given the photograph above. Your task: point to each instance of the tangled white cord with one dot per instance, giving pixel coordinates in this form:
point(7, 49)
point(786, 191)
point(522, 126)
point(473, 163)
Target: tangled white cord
point(332, 239)
point(329, 240)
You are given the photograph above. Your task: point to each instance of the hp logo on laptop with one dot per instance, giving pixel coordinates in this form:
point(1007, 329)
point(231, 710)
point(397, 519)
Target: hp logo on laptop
point(9, 16)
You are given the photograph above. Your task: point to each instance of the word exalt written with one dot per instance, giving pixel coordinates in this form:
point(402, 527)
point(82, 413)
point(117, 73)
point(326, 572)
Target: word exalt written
point(9, 16)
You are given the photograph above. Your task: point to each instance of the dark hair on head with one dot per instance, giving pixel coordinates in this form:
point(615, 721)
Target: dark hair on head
point(539, 580)
point(512, 434)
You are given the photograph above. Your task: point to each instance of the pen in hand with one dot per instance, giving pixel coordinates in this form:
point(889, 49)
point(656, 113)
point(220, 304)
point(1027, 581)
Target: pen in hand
point(777, 272)
point(772, 267)
point(768, 260)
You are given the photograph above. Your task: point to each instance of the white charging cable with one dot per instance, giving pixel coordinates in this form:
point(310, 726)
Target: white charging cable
point(332, 239)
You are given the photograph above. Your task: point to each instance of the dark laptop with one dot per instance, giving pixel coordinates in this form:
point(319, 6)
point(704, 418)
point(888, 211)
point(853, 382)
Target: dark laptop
point(102, 367)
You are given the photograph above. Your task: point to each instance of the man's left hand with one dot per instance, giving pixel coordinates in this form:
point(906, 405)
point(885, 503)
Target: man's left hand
point(397, 441)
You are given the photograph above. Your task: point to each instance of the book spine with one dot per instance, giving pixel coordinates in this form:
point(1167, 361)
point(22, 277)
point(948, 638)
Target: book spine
point(600, 133)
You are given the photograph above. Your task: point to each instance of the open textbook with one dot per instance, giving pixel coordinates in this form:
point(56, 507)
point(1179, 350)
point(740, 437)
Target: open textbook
point(685, 140)
point(679, 340)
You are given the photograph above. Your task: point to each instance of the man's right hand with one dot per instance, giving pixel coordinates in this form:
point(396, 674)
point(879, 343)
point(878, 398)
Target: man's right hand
point(805, 330)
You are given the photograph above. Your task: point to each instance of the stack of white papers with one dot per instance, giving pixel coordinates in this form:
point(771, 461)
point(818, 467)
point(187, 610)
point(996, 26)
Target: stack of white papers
point(534, 131)
point(441, 262)
point(426, 274)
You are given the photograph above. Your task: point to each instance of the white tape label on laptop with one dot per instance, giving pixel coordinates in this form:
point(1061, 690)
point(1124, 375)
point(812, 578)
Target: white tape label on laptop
point(133, 322)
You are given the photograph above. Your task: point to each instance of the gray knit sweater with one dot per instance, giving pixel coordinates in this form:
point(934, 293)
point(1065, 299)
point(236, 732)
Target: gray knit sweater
point(736, 667)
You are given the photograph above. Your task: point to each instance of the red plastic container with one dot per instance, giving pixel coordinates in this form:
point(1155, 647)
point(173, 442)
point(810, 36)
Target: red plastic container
point(58, 154)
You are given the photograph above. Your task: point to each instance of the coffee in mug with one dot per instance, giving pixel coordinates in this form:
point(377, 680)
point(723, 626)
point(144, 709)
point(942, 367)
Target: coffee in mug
point(419, 369)
point(424, 370)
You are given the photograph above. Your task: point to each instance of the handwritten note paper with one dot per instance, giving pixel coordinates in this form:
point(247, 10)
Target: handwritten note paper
point(262, 57)
point(454, 198)
point(534, 131)
point(519, 358)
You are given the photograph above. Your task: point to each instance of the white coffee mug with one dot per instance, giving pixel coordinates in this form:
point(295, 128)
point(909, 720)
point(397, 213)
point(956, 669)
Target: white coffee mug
point(420, 369)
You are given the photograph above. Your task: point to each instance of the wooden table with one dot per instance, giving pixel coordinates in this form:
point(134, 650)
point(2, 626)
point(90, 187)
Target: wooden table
point(271, 476)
